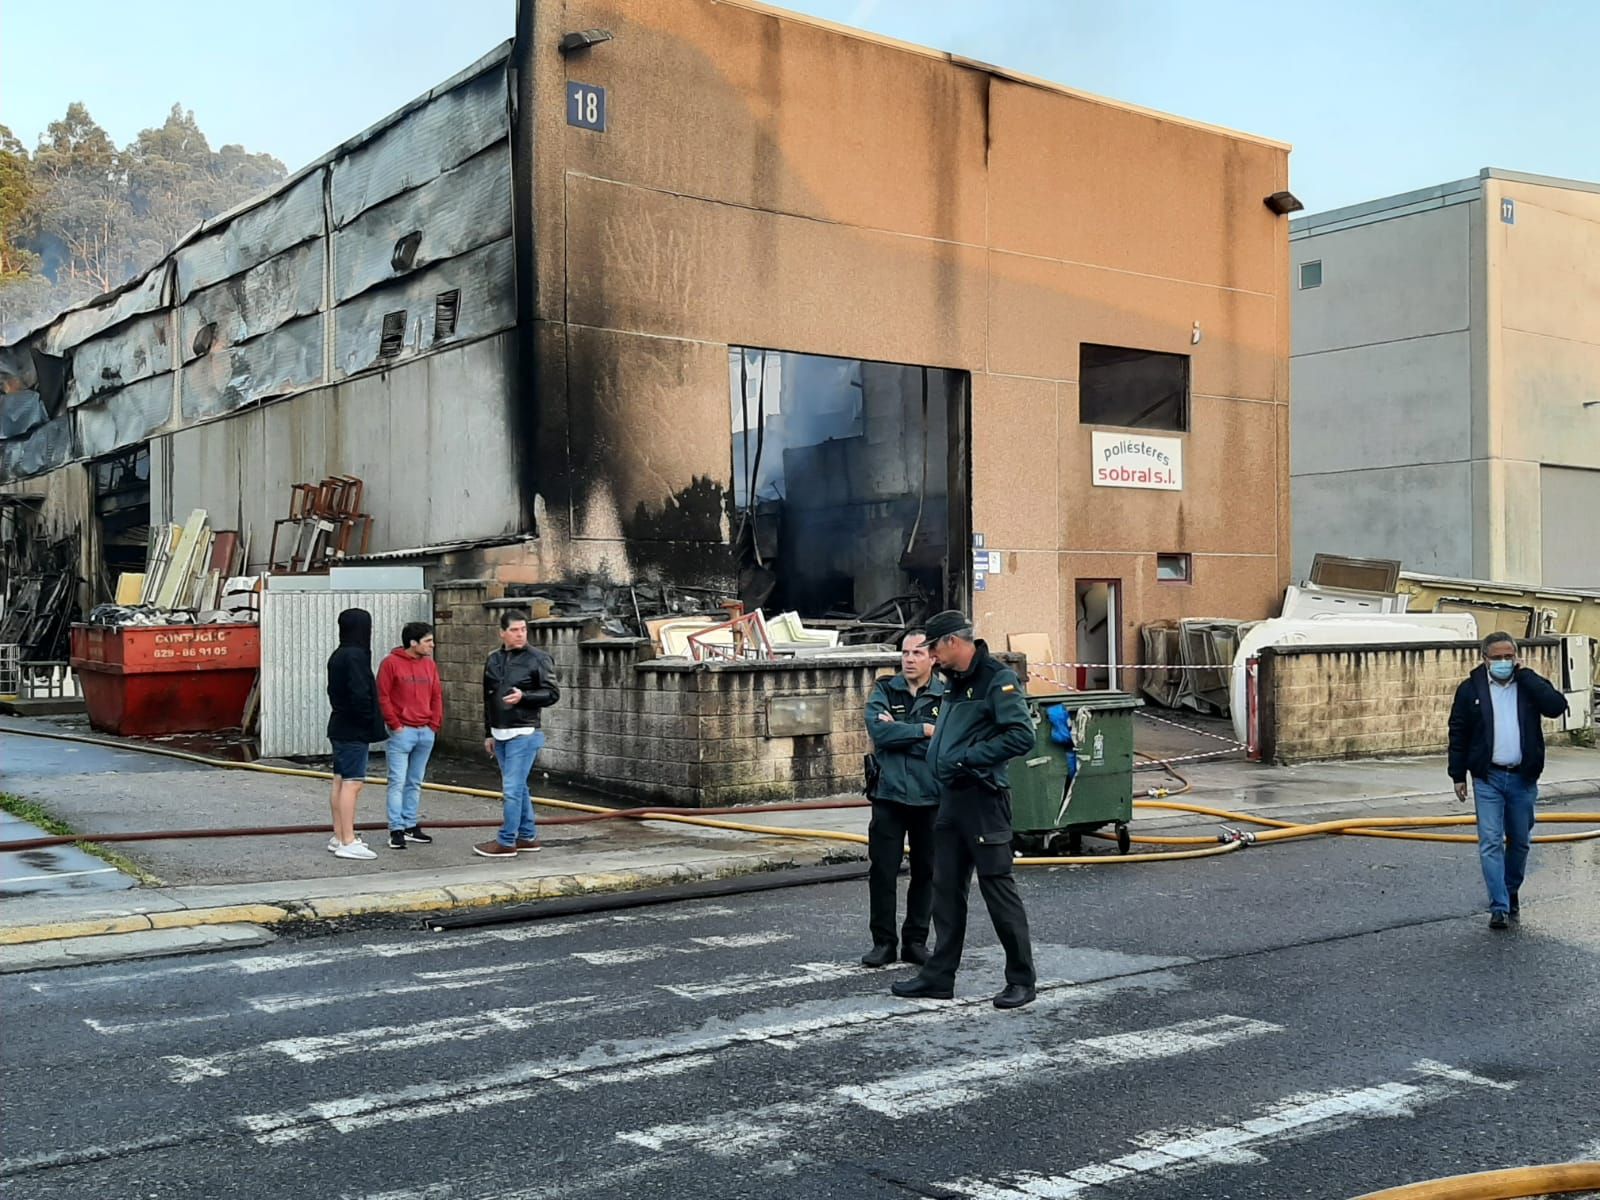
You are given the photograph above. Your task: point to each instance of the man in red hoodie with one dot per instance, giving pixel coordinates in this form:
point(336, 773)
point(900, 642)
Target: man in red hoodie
point(413, 708)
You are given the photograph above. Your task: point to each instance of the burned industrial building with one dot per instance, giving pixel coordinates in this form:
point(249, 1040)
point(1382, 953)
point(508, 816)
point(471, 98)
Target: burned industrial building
point(811, 321)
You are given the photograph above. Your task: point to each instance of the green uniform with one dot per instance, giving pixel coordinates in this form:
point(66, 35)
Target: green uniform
point(904, 802)
point(983, 723)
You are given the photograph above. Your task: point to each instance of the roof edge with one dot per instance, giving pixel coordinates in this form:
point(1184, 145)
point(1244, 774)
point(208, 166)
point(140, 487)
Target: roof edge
point(974, 64)
point(1552, 181)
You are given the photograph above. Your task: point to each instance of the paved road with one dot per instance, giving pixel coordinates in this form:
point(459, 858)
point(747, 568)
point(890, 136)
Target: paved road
point(1310, 1020)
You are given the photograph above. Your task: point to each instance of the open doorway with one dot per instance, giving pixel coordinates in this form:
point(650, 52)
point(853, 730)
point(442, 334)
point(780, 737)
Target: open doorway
point(1099, 615)
point(849, 486)
point(122, 510)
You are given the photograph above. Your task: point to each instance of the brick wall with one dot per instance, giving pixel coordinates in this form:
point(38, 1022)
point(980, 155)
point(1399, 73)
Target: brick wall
point(1323, 702)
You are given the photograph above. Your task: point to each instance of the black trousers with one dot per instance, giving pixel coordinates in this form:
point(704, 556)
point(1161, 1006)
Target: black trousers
point(956, 855)
point(891, 826)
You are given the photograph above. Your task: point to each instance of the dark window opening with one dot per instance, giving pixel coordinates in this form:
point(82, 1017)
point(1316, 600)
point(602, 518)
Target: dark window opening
point(849, 486)
point(405, 251)
point(1310, 275)
point(446, 306)
point(122, 507)
point(1173, 568)
point(1134, 389)
point(393, 339)
point(205, 337)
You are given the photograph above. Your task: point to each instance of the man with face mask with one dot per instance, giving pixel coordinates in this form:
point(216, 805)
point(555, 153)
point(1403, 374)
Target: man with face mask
point(1495, 736)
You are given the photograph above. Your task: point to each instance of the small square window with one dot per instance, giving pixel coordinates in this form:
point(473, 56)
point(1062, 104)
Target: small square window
point(1172, 568)
point(1310, 275)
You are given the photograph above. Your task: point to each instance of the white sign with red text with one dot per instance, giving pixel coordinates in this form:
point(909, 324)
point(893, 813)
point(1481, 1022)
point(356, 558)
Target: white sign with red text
point(1132, 460)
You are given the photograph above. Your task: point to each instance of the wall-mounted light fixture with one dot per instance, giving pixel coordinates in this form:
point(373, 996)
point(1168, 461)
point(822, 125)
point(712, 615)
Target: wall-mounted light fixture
point(1283, 203)
point(583, 39)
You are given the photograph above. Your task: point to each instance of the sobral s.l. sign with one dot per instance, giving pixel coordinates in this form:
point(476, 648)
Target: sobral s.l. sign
point(1132, 460)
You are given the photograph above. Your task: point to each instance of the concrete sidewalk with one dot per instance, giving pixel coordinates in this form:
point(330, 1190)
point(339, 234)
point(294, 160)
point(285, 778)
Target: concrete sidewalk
point(262, 881)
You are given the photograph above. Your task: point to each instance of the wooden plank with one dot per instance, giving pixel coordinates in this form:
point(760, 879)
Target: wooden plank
point(181, 570)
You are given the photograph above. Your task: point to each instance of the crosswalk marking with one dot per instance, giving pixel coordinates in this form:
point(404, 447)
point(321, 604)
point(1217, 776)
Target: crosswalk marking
point(898, 1096)
point(1166, 1153)
point(258, 964)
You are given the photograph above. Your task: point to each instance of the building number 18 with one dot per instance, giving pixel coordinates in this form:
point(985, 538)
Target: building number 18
point(586, 106)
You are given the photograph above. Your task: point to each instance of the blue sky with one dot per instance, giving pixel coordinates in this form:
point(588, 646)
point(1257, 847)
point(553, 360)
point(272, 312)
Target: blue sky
point(1377, 96)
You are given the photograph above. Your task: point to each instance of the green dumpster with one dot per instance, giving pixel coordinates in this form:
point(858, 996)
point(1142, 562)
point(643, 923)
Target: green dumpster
point(1060, 792)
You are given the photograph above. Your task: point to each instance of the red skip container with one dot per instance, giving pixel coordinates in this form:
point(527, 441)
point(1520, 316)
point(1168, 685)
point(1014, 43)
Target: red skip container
point(152, 679)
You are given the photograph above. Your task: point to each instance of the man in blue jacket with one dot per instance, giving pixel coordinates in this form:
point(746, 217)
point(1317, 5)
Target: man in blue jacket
point(1495, 736)
point(900, 718)
point(983, 724)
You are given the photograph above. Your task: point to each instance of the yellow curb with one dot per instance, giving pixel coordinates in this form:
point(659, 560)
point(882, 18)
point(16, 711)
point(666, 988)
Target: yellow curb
point(57, 930)
point(422, 900)
point(478, 895)
point(241, 914)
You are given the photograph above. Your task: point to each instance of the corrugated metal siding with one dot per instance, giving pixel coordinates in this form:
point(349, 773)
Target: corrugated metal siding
point(246, 306)
point(459, 211)
point(44, 449)
point(75, 328)
point(136, 351)
point(279, 224)
point(487, 304)
point(299, 630)
point(124, 417)
point(425, 144)
point(274, 364)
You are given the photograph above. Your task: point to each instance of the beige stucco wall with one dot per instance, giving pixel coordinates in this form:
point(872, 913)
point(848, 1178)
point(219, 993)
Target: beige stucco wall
point(770, 181)
point(1543, 364)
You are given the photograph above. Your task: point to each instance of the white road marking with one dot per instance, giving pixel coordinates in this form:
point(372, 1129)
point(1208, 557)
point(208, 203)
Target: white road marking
point(159, 1023)
point(526, 1079)
point(465, 1028)
point(638, 954)
point(1166, 1153)
point(742, 985)
point(256, 964)
point(905, 1095)
point(742, 1132)
point(10, 879)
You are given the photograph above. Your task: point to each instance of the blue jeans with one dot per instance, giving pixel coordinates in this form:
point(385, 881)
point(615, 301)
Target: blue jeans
point(1505, 823)
point(407, 752)
point(516, 757)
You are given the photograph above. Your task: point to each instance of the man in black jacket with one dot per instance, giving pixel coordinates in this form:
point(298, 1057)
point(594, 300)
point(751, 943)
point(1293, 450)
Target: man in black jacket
point(354, 723)
point(983, 724)
point(900, 716)
point(518, 682)
point(1495, 736)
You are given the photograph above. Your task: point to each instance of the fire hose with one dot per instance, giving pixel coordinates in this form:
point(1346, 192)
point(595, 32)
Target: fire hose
point(1228, 841)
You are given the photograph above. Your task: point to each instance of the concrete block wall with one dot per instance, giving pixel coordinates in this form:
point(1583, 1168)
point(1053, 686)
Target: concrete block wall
point(659, 731)
point(1326, 702)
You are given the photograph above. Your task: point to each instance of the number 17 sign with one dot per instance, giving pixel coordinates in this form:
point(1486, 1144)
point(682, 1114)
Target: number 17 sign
point(586, 106)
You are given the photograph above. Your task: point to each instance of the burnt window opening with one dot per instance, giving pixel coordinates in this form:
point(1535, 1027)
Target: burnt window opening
point(1174, 568)
point(122, 507)
point(405, 251)
point(849, 485)
point(205, 337)
point(393, 339)
point(1134, 389)
point(446, 307)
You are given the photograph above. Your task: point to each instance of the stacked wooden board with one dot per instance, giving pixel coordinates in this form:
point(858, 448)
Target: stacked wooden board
point(185, 565)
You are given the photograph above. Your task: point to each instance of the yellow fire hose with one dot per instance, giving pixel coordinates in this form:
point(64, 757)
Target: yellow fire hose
point(1202, 846)
point(1514, 1184)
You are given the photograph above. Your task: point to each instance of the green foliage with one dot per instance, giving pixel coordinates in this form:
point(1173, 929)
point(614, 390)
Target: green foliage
point(80, 216)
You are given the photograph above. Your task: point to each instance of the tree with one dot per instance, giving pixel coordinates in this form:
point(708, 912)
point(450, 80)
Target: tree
point(82, 216)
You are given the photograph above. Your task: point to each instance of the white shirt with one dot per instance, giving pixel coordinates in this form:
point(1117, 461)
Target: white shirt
point(505, 735)
point(1507, 728)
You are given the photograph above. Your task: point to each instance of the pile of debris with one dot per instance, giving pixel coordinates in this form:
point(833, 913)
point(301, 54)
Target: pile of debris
point(43, 603)
point(1189, 663)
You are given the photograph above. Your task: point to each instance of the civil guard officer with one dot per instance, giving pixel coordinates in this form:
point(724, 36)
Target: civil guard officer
point(900, 719)
point(983, 724)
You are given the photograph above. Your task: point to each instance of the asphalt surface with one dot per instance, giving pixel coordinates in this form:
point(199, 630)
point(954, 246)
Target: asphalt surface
point(1309, 1020)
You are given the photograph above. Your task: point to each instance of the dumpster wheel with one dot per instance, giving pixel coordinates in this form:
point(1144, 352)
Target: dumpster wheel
point(1124, 838)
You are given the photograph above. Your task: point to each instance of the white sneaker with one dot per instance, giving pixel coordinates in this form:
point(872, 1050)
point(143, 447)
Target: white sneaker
point(333, 844)
point(356, 849)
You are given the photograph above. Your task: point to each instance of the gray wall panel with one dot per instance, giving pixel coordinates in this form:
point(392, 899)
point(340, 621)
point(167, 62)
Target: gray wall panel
point(270, 228)
point(134, 351)
point(1569, 499)
point(285, 360)
point(124, 417)
point(1421, 515)
point(441, 134)
point(258, 301)
point(467, 207)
